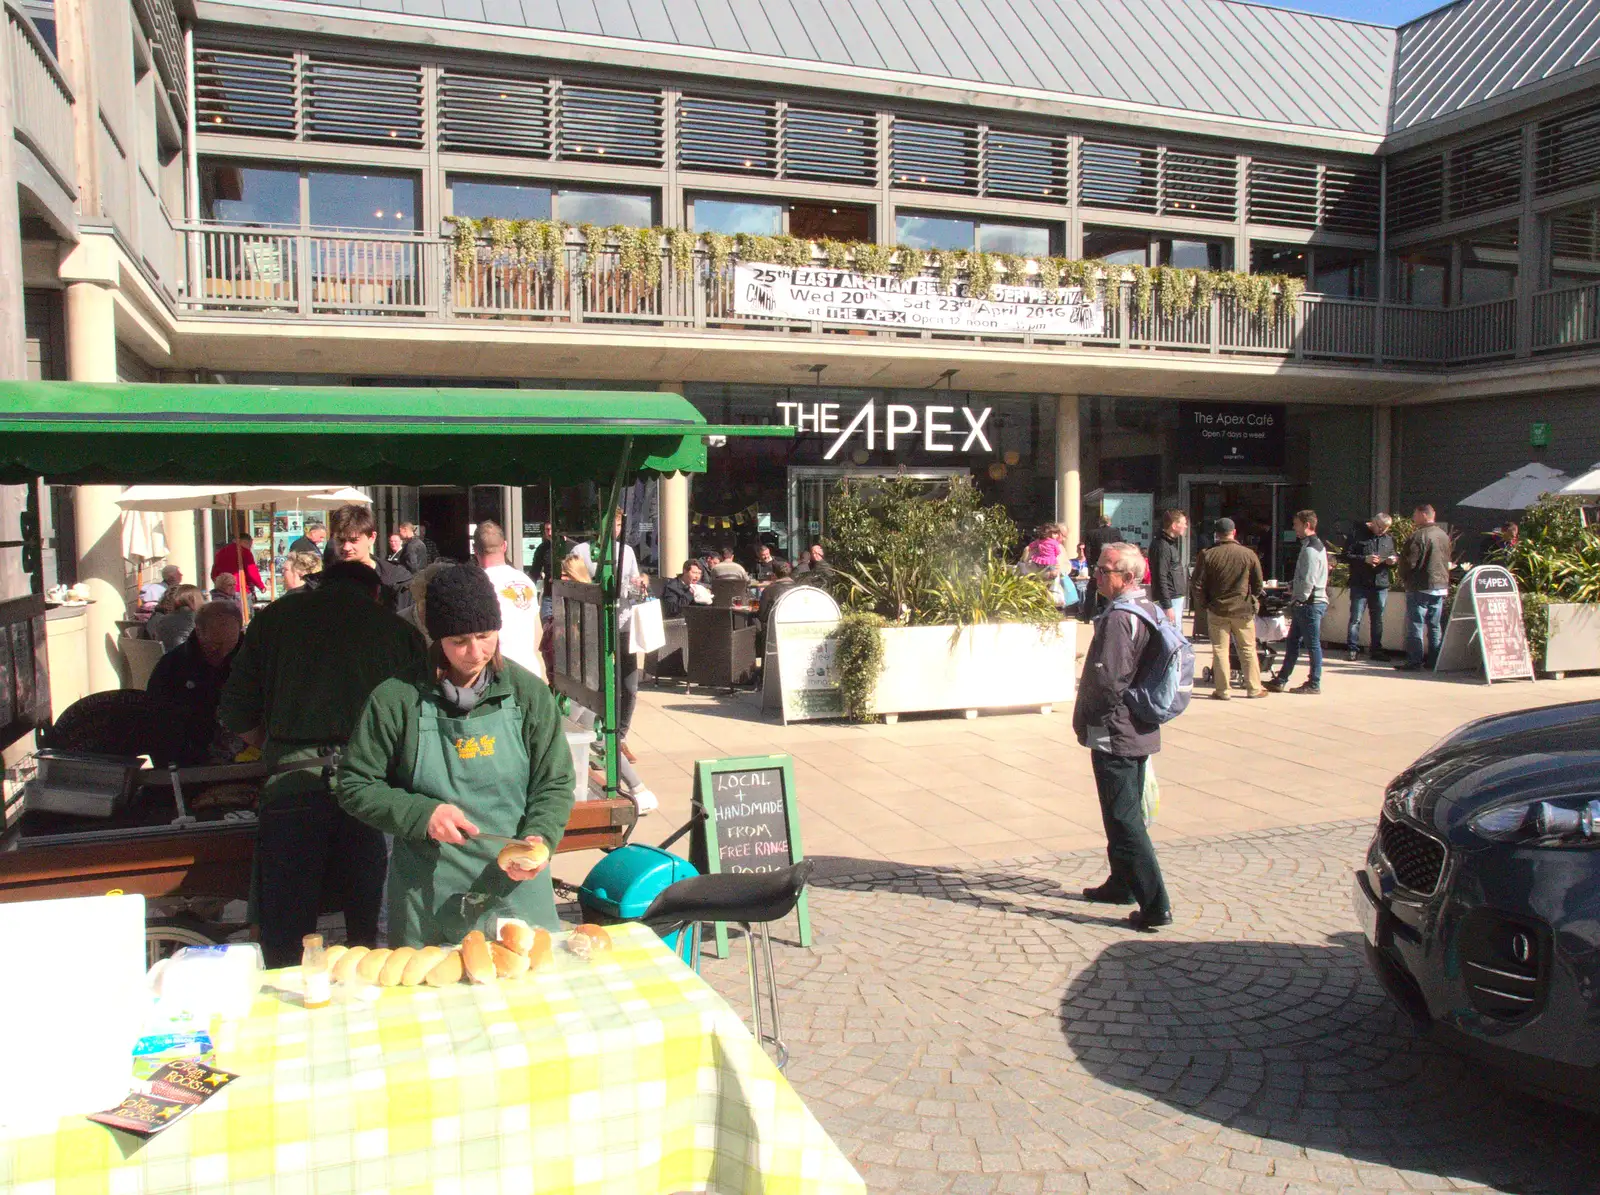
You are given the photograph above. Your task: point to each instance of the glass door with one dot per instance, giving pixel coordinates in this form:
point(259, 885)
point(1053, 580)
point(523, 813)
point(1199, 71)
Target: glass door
point(811, 488)
point(1255, 504)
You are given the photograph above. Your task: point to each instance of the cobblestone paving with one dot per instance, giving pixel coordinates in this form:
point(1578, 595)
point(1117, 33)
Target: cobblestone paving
point(981, 1029)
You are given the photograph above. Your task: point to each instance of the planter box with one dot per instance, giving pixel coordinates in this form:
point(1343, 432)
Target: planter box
point(1574, 642)
point(1336, 622)
point(991, 666)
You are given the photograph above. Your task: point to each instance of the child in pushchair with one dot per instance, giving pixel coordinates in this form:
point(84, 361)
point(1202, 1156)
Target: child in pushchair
point(1272, 628)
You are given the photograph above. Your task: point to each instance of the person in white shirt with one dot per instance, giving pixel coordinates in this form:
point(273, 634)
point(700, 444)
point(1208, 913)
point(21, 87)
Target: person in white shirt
point(519, 601)
point(635, 588)
point(153, 591)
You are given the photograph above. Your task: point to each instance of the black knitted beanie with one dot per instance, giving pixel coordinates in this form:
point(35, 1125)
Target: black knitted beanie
point(461, 601)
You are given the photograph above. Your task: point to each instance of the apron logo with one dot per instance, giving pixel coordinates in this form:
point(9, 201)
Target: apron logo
point(474, 746)
point(520, 596)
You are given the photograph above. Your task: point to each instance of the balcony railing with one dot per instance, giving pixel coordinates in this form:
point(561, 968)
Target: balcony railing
point(1568, 318)
point(41, 100)
point(327, 275)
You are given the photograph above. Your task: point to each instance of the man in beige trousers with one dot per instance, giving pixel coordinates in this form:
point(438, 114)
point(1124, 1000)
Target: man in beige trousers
point(1227, 585)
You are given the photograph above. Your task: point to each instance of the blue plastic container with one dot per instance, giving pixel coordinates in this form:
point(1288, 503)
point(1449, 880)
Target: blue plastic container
point(623, 884)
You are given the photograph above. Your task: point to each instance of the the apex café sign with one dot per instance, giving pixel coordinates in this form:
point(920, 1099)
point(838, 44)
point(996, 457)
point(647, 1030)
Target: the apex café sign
point(894, 425)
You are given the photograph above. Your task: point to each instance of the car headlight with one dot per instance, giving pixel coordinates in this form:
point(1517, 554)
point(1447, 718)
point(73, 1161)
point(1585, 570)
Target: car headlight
point(1565, 821)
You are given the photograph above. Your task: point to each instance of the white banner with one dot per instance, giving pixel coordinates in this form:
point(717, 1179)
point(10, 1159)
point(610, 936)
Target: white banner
point(840, 297)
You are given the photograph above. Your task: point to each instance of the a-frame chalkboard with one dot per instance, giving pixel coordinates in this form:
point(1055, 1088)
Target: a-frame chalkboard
point(750, 822)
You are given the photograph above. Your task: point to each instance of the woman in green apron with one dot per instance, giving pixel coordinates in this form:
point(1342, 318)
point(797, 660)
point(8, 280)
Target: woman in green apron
point(469, 748)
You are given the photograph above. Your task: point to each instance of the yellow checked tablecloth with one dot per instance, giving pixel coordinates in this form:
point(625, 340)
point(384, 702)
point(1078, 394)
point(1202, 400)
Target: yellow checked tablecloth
point(625, 1076)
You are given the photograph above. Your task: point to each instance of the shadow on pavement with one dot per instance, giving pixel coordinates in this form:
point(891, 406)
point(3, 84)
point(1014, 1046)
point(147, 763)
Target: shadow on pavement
point(1297, 1043)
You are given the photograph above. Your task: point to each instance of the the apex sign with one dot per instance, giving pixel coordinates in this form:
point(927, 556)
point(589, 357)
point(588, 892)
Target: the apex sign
point(899, 425)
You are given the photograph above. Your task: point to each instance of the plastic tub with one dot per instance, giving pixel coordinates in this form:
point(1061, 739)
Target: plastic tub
point(578, 743)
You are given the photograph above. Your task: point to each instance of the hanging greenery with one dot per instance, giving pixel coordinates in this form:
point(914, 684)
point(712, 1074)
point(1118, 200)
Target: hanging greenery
point(873, 259)
point(980, 275)
point(1050, 278)
point(543, 244)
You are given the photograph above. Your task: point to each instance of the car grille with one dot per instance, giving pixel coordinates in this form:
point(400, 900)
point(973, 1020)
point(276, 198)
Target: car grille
point(1505, 962)
point(1417, 859)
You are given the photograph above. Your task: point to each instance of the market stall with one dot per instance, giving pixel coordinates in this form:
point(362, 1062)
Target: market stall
point(620, 1071)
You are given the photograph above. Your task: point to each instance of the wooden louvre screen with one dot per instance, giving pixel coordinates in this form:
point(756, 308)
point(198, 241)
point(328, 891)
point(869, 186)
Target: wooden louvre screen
point(609, 124)
point(1485, 174)
point(253, 93)
point(361, 102)
point(489, 114)
point(1026, 165)
point(1123, 177)
point(1566, 150)
point(728, 136)
point(935, 157)
point(830, 146)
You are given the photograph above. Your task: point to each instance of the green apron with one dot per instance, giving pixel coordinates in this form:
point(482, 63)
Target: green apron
point(438, 893)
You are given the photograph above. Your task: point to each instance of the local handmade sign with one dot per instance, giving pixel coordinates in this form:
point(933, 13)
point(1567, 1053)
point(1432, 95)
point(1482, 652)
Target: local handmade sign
point(833, 296)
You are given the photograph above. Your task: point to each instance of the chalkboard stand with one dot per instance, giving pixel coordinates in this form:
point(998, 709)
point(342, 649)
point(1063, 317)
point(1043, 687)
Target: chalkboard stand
point(704, 850)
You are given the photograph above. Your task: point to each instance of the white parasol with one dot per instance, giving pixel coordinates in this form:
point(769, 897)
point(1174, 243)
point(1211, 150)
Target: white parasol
point(1518, 489)
point(1588, 483)
point(228, 497)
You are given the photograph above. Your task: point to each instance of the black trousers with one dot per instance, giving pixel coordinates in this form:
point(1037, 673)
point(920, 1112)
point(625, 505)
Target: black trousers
point(1119, 779)
point(311, 855)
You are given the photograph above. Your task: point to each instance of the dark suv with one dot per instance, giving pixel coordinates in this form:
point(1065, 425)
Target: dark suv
point(1480, 898)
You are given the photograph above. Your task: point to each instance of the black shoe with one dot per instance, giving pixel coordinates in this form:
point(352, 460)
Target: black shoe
point(1352, 655)
point(1408, 667)
point(1108, 894)
point(1308, 688)
point(1274, 685)
point(1148, 923)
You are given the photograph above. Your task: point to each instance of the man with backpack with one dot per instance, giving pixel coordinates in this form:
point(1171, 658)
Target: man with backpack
point(1137, 675)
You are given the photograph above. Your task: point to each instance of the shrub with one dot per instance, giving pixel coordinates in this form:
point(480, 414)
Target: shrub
point(858, 654)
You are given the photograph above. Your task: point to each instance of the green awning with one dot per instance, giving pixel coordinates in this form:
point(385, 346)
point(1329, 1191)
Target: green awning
point(122, 433)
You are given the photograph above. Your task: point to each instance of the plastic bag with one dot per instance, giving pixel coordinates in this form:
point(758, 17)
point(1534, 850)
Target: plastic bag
point(1150, 798)
point(649, 632)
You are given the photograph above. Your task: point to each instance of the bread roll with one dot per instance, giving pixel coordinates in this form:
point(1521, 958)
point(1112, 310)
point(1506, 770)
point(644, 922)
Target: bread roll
point(334, 954)
point(508, 964)
point(599, 940)
point(539, 953)
point(475, 958)
point(529, 854)
point(395, 966)
point(345, 970)
point(422, 962)
point(517, 936)
point(446, 971)
point(371, 965)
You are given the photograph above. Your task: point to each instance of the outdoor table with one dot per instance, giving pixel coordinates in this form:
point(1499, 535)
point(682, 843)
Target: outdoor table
point(721, 644)
point(624, 1075)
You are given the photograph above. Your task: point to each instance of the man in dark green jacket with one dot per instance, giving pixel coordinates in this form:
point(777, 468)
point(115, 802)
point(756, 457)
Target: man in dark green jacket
point(297, 686)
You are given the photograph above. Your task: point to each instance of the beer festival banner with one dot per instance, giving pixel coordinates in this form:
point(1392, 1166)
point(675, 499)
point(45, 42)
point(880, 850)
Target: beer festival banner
point(915, 304)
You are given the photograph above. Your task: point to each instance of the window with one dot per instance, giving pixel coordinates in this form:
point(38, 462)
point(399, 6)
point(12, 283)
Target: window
point(235, 194)
point(1268, 258)
point(1343, 273)
point(478, 198)
point(1573, 239)
point(1489, 265)
point(43, 16)
point(733, 216)
point(491, 114)
point(823, 221)
point(1422, 276)
point(605, 208)
point(340, 199)
point(728, 136)
point(1117, 246)
point(1196, 255)
point(917, 231)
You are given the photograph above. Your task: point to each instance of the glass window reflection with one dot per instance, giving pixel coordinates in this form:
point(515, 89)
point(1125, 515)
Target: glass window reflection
point(734, 216)
point(1117, 246)
point(479, 199)
point(1196, 255)
point(934, 232)
point(340, 199)
point(604, 208)
point(1023, 239)
point(233, 194)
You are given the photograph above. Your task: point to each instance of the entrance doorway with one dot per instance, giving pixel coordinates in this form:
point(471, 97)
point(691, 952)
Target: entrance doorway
point(812, 487)
point(1255, 504)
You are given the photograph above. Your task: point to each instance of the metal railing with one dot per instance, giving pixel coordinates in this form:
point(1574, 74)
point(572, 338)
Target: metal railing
point(41, 100)
point(322, 274)
point(1567, 318)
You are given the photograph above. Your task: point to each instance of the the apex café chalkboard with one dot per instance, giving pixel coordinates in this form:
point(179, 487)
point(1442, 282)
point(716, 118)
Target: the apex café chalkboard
point(1233, 435)
point(751, 823)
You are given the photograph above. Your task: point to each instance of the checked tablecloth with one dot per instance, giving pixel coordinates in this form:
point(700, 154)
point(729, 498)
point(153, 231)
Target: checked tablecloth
point(623, 1076)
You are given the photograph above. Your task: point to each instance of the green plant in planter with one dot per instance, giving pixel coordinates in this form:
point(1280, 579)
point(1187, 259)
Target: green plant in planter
point(1556, 557)
point(891, 543)
point(996, 592)
point(858, 655)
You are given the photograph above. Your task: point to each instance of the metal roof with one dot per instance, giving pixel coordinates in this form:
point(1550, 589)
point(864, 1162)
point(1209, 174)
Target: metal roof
point(1221, 57)
point(1476, 50)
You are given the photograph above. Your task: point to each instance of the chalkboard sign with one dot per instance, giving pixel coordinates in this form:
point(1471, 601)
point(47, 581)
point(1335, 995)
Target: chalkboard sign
point(750, 823)
point(1487, 608)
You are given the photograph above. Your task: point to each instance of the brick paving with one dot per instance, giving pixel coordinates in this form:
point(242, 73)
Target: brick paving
point(978, 1028)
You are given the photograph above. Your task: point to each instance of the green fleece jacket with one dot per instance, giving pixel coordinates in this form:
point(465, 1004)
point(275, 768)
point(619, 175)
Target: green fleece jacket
point(375, 779)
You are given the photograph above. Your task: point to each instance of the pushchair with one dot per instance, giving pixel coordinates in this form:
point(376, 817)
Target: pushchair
point(1272, 628)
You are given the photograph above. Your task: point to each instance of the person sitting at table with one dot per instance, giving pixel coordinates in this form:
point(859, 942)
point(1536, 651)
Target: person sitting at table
point(683, 591)
point(469, 745)
point(764, 562)
point(235, 558)
point(813, 563)
point(151, 593)
point(173, 620)
point(226, 589)
point(781, 581)
point(191, 676)
point(727, 568)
